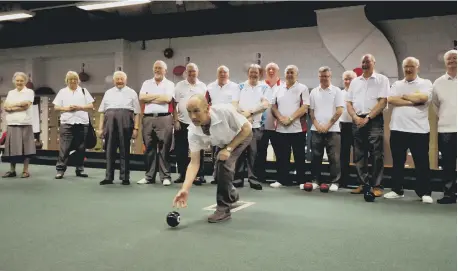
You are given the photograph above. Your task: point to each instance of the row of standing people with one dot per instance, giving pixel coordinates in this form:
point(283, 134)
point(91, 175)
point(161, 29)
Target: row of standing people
point(276, 110)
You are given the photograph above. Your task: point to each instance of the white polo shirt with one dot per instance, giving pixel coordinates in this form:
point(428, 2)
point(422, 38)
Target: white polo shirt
point(268, 118)
point(250, 98)
point(363, 93)
point(288, 101)
point(411, 119)
point(67, 97)
point(124, 98)
point(324, 103)
point(444, 100)
point(345, 117)
point(20, 117)
point(165, 87)
point(217, 94)
point(226, 123)
point(183, 91)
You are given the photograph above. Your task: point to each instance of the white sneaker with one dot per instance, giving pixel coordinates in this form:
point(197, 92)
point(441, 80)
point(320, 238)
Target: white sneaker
point(427, 199)
point(315, 186)
point(392, 195)
point(276, 185)
point(143, 181)
point(166, 182)
point(334, 187)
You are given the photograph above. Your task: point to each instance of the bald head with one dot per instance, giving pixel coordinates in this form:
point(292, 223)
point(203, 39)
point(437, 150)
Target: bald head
point(198, 109)
point(198, 100)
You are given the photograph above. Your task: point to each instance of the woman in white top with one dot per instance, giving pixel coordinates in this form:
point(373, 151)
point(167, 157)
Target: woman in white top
point(19, 144)
point(73, 102)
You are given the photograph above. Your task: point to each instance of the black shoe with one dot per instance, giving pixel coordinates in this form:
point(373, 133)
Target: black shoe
point(104, 182)
point(214, 182)
point(447, 200)
point(125, 182)
point(199, 181)
point(81, 174)
point(238, 184)
point(256, 186)
point(179, 180)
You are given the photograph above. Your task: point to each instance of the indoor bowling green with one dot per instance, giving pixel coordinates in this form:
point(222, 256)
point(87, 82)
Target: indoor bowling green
point(76, 224)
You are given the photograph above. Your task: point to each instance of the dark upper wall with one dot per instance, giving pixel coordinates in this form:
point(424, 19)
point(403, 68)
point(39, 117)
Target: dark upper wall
point(67, 25)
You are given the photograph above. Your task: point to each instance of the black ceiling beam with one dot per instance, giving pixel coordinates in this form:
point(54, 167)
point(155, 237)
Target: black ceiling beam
point(47, 28)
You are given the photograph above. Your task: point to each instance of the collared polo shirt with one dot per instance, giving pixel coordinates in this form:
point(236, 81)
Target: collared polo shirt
point(165, 87)
point(217, 94)
point(67, 97)
point(364, 93)
point(124, 98)
point(289, 100)
point(444, 100)
point(411, 119)
point(183, 91)
point(324, 103)
point(225, 124)
point(250, 98)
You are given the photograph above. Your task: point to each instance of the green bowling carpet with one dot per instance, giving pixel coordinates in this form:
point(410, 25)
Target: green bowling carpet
point(75, 224)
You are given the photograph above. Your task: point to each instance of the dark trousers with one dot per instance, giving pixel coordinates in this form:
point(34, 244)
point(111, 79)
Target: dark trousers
point(182, 152)
point(286, 141)
point(261, 158)
point(419, 147)
point(447, 147)
point(330, 141)
point(118, 125)
point(248, 157)
point(226, 193)
point(71, 138)
point(346, 141)
point(157, 137)
point(369, 139)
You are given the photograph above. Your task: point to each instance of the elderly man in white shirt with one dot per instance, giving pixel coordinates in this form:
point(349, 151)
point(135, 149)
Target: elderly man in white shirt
point(220, 91)
point(444, 101)
point(289, 106)
point(74, 103)
point(409, 128)
point(219, 125)
point(157, 124)
point(326, 107)
point(273, 83)
point(183, 91)
point(346, 134)
point(119, 122)
point(19, 142)
point(366, 100)
point(251, 102)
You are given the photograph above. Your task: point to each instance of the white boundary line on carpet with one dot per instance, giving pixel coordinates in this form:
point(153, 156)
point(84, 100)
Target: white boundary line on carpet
point(245, 204)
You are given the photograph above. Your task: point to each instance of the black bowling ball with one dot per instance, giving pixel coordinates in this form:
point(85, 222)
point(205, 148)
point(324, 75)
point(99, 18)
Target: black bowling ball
point(173, 219)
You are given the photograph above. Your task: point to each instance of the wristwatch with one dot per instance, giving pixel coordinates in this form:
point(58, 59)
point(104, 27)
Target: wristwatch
point(229, 149)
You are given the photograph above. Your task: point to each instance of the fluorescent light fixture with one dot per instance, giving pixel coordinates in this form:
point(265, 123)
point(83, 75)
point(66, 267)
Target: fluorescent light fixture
point(16, 15)
point(113, 4)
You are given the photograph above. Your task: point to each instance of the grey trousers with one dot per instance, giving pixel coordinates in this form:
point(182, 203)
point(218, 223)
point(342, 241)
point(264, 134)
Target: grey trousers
point(118, 126)
point(330, 141)
point(157, 137)
point(249, 156)
point(226, 193)
point(71, 138)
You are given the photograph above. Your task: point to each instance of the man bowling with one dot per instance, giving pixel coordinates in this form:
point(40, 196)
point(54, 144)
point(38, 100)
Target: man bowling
point(219, 126)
